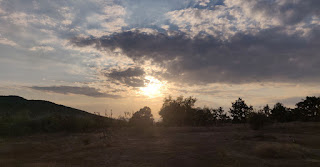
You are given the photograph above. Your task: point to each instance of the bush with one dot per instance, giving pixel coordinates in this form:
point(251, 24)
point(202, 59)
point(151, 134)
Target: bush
point(142, 118)
point(257, 120)
point(15, 125)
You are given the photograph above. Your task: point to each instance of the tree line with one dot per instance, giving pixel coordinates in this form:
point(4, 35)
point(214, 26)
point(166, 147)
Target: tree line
point(182, 112)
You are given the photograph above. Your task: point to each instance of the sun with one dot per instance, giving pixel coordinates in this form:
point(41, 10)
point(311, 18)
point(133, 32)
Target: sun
point(153, 88)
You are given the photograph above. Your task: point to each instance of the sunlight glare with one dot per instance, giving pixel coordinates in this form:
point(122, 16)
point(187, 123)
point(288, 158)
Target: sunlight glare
point(153, 87)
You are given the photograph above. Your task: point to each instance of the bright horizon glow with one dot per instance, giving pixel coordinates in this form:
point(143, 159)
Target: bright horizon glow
point(153, 87)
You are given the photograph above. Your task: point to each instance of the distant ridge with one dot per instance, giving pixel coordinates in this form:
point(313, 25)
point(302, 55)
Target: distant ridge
point(21, 116)
point(36, 107)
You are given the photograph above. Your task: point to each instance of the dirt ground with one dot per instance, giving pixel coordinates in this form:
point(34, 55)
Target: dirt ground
point(292, 145)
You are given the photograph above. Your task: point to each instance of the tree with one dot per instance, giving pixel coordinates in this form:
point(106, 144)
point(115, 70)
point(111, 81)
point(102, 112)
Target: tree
point(143, 117)
point(220, 116)
point(266, 110)
point(240, 111)
point(203, 117)
point(280, 113)
point(178, 112)
point(309, 109)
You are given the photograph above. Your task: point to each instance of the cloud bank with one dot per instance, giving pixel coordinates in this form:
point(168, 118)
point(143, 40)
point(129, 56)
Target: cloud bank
point(270, 55)
point(231, 42)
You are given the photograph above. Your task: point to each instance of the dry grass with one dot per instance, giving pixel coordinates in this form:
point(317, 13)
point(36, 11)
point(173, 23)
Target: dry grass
point(280, 150)
point(234, 145)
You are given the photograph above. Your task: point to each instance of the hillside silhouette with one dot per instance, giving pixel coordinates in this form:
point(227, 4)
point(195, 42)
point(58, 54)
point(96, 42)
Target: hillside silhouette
point(21, 116)
point(37, 108)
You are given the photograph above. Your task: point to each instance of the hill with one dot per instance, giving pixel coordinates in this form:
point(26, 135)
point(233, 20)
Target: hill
point(21, 116)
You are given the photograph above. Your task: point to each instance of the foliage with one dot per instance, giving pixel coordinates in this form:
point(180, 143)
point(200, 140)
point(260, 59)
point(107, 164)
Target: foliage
point(19, 116)
point(220, 116)
point(308, 109)
point(181, 112)
point(178, 112)
point(203, 117)
point(280, 113)
point(240, 111)
point(142, 118)
point(257, 120)
point(266, 110)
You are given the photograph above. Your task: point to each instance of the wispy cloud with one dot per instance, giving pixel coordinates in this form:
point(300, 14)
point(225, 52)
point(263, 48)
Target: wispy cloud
point(87, 91)
point(42, 48)
point(5, 41)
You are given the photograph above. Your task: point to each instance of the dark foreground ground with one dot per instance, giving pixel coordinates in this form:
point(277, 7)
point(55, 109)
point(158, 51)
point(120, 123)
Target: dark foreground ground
point(293, 144)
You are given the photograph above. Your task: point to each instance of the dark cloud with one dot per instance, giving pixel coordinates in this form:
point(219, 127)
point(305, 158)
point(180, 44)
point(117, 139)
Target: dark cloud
point(270, 55)
point(280, 53)
point(92, 92)
point(133, 76)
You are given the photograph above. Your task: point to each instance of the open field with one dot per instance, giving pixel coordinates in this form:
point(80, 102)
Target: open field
point(291, 144)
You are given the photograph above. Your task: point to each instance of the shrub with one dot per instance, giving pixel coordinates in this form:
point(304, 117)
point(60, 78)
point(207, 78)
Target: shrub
point(257, 120)
point(142, 118)
point(15, 125)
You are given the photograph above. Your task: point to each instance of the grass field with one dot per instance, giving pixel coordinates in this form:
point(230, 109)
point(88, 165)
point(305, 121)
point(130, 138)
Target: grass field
point(291, 145)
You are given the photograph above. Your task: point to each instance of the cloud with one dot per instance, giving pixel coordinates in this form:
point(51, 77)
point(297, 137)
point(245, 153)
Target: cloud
point(109, 20)
point(87, 91)
point(203, 2)
point(270, 55)
point(38, 30)
point(133, 76)
point(190, 41)
point(42, 48)
point(5, 41)
point(222, 22)
point(245, 16)
point(290, 100)
point(229, 42)
point(286, 12)
point(62, 19)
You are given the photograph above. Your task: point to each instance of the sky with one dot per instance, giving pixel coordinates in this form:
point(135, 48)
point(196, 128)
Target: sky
point(122, 55)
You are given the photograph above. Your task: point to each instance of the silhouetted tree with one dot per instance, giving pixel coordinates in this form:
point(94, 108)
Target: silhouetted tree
point(143, 117)
point(308, 109)
point(220, 116)
point(181, 111)
point(280, 113)
point(178, 112)
point(266, 110)
point(240, 111)
point(204, 117)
